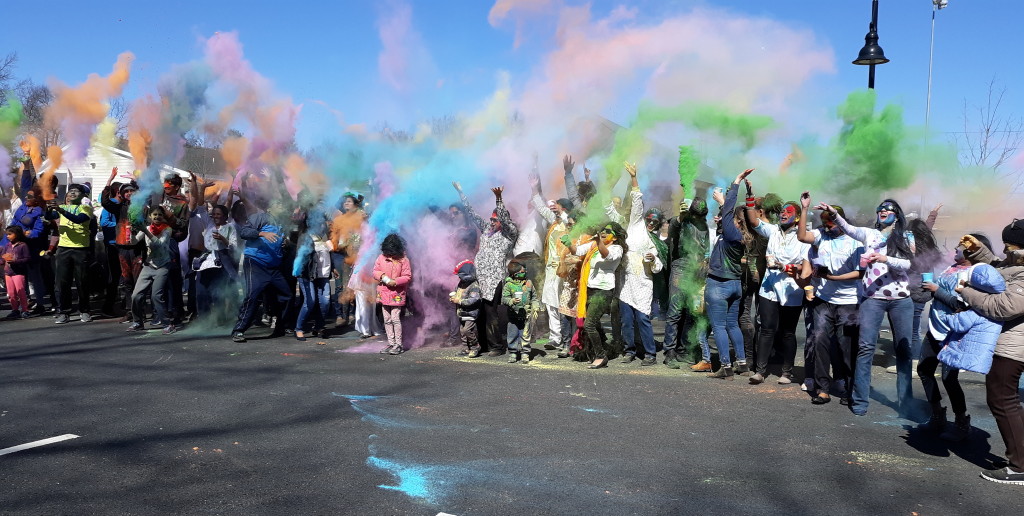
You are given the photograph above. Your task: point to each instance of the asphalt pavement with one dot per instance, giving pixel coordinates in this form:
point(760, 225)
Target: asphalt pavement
point(193, 423)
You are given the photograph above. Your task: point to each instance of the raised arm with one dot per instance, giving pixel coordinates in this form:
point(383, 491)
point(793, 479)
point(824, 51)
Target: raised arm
point(636, 198)
point(538, 201)
point(470, 212)
point(802, 234)
point(856, 232)
point(571, 191)
point(729, 230)
point(933, 216)
point(508, 226)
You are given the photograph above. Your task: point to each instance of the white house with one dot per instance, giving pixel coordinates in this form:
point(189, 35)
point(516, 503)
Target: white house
point(95, 169)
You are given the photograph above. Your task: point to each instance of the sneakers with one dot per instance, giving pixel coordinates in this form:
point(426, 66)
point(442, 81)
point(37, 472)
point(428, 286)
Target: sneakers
point(62, 319)
point(628, 358)
point(15, 314)
point(496, 352)
point(238, 337)
point(724, 373)
point(135, 327)
point(396, 350)
point(169, 329)
point(958, 431)
point(1004, 476)
point(672, 363)
point(701, 367)
point(550, 346)
point(85, 317)
point(563, 354)
point(741, 368)
point(758, 378)
point(386, 350)
point(473, 353)
point(892, 369)
point(648, 361)
point(513, 358)
point(785, 379)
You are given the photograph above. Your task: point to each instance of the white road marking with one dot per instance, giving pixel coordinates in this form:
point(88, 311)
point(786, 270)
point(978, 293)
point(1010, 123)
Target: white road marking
point(34, 444)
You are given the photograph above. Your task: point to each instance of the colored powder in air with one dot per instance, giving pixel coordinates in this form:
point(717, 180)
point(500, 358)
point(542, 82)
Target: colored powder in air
point(10, 121)
point(77, 111)
point(56, 157)
point(689, 166)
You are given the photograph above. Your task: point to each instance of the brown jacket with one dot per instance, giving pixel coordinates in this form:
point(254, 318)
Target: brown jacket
point(1006, 307)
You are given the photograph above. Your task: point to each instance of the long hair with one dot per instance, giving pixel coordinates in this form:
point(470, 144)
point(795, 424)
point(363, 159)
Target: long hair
point(924, 239)
point(19, 234)
point(739, 217)
point(393, 247)
point(897, 245)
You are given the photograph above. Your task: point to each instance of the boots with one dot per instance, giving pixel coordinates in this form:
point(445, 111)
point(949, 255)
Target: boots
point(959, 430)
point(724, 373)
point(741, 368)
point(937, 423)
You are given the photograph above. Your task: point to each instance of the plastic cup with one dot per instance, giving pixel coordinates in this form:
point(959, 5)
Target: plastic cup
point(865, 260)
point(927, 277)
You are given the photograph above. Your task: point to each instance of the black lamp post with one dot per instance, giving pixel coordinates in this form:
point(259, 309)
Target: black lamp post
point(871, 54)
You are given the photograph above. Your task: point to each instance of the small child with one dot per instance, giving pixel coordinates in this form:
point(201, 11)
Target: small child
point(393, 274)
point(520, 298)
point(155, 274)
point(468, 298)
point(15, 258)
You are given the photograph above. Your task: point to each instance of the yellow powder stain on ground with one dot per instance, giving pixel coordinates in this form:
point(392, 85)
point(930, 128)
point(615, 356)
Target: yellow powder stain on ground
point(862, 458)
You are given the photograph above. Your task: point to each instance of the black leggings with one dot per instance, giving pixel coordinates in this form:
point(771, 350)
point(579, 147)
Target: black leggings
point(776, 318)
point(926, 370)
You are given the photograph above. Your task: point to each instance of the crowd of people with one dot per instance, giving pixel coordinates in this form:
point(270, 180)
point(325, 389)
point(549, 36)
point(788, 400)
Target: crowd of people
point(745, 276)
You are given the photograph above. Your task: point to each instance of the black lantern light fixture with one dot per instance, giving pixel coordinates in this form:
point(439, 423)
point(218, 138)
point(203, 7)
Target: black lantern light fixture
point(871, 54)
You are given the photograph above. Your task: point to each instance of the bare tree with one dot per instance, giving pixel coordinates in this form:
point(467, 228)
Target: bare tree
point(34, 100)
point(991, 138)
point(119, 113)
point(7, 72)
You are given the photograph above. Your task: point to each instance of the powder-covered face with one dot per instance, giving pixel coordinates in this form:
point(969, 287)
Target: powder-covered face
point(171, 188)
point(73, 195)
point(789, 215)
point(886, 213)
point(349, 204)
point(219, 217)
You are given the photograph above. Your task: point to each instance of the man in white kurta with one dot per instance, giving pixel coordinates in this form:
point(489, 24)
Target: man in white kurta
point(641, 264)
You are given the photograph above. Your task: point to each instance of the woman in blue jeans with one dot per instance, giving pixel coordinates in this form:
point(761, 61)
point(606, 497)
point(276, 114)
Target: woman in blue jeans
point(313, 267)
point(886, 292)
point(723, 290)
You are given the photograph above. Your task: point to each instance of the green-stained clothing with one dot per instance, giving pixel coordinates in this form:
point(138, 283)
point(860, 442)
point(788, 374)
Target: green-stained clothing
point(74, 231)
point(520, 297)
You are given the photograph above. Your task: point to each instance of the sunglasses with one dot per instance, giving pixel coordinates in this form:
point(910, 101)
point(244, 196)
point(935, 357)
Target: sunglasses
point(885, 207)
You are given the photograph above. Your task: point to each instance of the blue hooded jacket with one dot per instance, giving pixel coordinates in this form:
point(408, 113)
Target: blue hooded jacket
point(971, 340)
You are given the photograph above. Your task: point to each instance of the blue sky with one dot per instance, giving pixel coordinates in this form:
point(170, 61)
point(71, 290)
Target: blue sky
point(328, 51)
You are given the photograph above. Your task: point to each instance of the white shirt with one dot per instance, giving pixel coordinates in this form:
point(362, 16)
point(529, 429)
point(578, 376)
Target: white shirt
point(638, 282)
point(228, 231)
point(783, 249)
point(840, 255)
point(602, 268)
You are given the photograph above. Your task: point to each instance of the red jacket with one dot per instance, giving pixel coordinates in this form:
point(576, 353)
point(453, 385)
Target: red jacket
point(398, 270)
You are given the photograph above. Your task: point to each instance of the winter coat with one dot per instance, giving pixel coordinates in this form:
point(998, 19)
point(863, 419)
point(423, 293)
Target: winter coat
point(972, 338)
point(398, 270)
point(527, 300)
point(494, 247)
point(1006, 307)
point(468, 297)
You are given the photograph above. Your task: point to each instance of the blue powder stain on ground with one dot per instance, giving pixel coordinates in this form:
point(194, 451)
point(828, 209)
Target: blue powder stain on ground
point(595, 411)
point(356, 401)
point(412, 480)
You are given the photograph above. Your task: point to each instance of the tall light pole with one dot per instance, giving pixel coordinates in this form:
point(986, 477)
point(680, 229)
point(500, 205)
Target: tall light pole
point(871, 54)
point(936, 5)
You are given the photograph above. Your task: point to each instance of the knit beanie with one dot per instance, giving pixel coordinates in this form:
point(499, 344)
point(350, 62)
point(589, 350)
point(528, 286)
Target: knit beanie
point(1014, 233)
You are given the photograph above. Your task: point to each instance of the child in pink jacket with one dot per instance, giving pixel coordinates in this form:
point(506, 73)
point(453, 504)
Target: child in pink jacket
point(393, 274)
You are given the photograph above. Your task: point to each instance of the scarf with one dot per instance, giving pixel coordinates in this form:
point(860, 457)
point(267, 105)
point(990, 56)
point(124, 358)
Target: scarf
point(581, 303)
point(156, 229)
point(661, 279)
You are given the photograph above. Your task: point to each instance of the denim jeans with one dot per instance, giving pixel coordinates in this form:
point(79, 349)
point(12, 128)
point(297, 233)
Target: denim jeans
point(599, 302)
point(901, 321)
point(915, 345)
point(722, 299)
point(516, 336)
point(634, 321)
point(315, 298)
